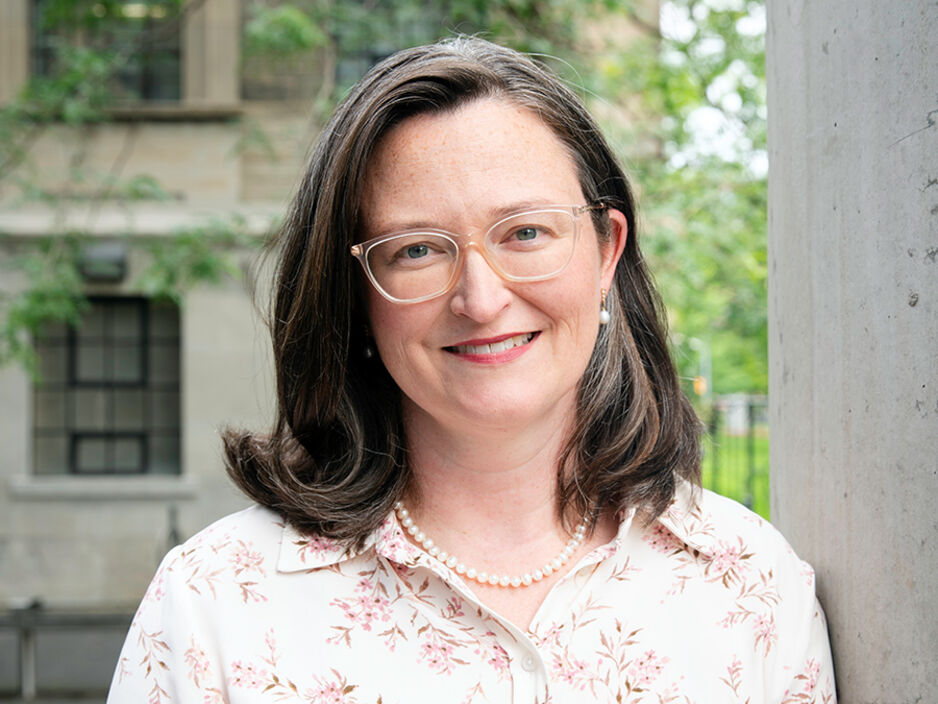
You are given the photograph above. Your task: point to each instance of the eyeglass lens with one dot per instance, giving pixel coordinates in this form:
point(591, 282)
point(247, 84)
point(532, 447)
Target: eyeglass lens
point(531, 245)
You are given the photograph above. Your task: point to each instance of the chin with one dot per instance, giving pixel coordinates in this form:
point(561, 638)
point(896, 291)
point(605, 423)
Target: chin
point(498, 409)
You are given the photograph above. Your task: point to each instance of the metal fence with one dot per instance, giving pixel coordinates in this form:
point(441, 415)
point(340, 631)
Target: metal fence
point(736, 450)
point(58, 655)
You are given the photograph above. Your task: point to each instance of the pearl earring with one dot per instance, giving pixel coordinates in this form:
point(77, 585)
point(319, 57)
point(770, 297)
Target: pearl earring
point(368, 349)
point(604, 316)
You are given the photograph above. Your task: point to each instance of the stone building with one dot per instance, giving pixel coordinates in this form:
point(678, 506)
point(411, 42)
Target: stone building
point(114, 454)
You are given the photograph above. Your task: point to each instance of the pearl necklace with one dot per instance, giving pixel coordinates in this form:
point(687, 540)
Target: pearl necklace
point(495, 580)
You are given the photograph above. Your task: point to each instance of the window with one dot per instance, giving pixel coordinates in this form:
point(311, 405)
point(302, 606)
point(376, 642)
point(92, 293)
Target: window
point(144, 38)
point(179, 59)
point(107, 398)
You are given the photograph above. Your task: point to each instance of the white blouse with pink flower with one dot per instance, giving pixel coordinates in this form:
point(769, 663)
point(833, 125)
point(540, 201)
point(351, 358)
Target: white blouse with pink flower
point(707, 604)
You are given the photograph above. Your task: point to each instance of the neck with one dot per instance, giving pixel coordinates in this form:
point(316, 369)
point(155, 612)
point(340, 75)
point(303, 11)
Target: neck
point(502, 483)
point(487, 498)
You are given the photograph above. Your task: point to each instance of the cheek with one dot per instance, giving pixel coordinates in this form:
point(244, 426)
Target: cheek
point(583, 296)
point(381, 315)
point(383, 327)
point(397, 331)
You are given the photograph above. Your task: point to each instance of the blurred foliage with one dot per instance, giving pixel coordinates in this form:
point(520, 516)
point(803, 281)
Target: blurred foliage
point(193, 256)
point(683, 101)
point(371, 26)
point(702, 77)
point(100, 15)
point(280, 31)
point(54, 293)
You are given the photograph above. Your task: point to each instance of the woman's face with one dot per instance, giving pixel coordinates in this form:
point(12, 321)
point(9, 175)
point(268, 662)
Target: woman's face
point(460, 171)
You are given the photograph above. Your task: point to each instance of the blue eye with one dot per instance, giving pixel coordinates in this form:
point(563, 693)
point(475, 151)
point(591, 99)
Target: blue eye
point(526, 233)
point(417, 250)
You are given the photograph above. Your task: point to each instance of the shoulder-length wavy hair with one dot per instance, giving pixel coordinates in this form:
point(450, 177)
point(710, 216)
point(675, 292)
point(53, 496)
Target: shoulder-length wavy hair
point(335, 462)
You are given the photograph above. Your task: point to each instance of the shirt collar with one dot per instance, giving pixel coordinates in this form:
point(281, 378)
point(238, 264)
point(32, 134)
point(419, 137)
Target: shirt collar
point(300, 552)
point(687, 522)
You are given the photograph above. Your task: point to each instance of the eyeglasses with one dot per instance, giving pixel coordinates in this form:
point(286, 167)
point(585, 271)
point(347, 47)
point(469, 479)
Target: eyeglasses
point(417, 265)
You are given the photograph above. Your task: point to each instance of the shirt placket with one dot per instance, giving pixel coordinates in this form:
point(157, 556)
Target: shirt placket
point(527, 666)
point(528, 670)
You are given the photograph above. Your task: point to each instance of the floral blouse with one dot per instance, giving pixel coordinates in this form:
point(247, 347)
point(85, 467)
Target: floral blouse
point(707, 604)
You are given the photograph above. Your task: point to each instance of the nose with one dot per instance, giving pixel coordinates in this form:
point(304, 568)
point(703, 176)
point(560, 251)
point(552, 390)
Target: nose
point(480, 293)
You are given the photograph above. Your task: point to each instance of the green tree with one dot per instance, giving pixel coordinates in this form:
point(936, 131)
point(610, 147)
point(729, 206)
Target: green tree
point(704, 186)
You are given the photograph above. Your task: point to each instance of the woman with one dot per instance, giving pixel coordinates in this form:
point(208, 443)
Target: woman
point(481, 483)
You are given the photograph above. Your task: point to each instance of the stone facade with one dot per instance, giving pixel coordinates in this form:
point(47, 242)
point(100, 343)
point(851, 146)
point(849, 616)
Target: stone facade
point(95, 541)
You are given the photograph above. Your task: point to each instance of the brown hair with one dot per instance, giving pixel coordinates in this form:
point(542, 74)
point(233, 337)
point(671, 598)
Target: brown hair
point(335, 462)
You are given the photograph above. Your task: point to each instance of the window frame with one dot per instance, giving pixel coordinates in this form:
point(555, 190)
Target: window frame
point(210, 81)
point(67, 389)
point(138, 81)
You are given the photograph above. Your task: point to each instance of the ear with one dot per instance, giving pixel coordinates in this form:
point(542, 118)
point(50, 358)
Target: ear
point(611, 250)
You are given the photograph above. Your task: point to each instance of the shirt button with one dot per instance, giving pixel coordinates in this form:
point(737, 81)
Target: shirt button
point(528, 663)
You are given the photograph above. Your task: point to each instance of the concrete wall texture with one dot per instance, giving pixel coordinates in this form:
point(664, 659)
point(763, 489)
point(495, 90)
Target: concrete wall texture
point(853, 305)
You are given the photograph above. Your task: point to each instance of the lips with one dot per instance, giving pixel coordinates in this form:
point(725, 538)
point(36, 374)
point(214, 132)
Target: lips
point(494, 347)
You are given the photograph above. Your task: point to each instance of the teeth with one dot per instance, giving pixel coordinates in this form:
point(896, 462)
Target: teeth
point(496, 347)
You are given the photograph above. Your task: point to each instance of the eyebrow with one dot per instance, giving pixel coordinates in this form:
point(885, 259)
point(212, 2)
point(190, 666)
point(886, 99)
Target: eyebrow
point(495, 214)
point(518, 206)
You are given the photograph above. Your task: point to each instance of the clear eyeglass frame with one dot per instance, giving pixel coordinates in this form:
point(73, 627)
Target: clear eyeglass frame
point(462, 242)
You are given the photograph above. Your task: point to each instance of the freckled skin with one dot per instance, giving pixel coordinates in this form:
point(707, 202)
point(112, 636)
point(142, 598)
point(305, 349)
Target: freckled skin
point(454, 171)
point(483, 439)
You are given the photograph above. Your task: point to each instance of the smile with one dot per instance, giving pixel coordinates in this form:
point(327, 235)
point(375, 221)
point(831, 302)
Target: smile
point(494, 347)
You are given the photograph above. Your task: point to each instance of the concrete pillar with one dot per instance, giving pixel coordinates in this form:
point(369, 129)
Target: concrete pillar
point(14, 48)
point(853, 341)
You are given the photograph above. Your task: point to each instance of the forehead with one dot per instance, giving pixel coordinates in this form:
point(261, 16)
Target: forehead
point(455, 168)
